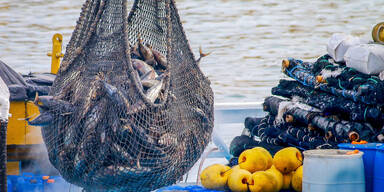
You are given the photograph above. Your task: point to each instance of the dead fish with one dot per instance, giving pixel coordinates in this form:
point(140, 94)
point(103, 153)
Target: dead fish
point(145, 52)
point(44, 119)
point(201, 55)
point(151, 75)
point(149, 83)
point(116, 95)
point(154, 91)
point(161, 59)
point(142, 67)
point(152, 62)
point(48, 103)
point(150, 80)
point(135, 53)
point(138, 80)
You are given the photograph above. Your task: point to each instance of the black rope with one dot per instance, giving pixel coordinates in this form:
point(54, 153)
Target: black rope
point(3, 156)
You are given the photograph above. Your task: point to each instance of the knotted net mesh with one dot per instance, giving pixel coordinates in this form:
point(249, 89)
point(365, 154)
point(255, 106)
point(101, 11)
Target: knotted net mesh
point(119, 118)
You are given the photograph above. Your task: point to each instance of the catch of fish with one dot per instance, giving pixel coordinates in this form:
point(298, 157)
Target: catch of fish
point(130, 109)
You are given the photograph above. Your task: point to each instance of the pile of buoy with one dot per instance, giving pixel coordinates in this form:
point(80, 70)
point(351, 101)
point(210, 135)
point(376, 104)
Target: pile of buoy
point(257, 171)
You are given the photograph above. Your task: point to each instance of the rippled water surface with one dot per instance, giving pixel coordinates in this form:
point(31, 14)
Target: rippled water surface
point(247, 38)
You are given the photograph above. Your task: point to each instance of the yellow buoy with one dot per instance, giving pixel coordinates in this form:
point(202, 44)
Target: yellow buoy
point(378, 33)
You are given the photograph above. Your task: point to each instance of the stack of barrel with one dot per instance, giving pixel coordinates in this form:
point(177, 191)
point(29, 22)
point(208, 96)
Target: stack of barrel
point(325, 104)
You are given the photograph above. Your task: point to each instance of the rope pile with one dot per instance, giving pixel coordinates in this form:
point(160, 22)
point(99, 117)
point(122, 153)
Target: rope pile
point(327, 103)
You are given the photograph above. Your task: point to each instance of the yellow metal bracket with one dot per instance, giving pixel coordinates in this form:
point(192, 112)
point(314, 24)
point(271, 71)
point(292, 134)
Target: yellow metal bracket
point(56, 55)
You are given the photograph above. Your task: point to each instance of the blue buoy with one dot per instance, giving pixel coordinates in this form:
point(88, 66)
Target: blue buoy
point(378, 181)
point(368, 158)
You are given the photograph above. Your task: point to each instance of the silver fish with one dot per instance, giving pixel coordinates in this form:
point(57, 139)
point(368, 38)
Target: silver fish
point(151, 75)
point(116, 95)
point(153, 92)
point(141, 66)
point(149, 83)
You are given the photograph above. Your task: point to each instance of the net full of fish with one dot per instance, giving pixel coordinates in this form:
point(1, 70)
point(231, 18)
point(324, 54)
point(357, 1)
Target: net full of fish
point(130, 109)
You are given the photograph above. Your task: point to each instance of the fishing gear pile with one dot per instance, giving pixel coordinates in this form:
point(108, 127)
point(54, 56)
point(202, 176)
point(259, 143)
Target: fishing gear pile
point(327, 103)
point(130, 109)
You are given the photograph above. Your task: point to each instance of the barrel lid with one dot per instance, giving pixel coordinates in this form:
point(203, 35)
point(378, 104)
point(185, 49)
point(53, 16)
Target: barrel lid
point(331, 153)
point(367, 146)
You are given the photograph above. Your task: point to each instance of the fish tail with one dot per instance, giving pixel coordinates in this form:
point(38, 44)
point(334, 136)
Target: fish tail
point(203, 54)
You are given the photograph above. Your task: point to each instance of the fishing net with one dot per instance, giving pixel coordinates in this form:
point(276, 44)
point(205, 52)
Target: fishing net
point(3, 155)
point(4, 111)
point(130, 109)
point(337, 79)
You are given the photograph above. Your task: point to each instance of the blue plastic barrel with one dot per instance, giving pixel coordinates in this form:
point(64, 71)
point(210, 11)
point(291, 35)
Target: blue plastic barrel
point(333, 170)
point(368, 158)
point(191, 188)
point(378, 179)
point(9, 185)
point(58, 184)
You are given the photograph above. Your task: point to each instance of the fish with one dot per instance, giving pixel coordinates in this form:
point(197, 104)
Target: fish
point(161, 59)
point(142, 67)
point(153, 93)
point(149, 83)
point(145, 52)
point(149, 80)
point(151, 75)
point(135, 53)
point(202, 55)
point(44, 119)
point(116, 95)
point(49, 103)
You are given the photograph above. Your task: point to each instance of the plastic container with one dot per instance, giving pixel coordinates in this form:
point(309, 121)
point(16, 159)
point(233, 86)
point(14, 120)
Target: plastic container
point(9, 185)
point(55, 183)
point(378, 176)
point(333, 170)
point(368, 159)
point(29, 183)
point(192, 188)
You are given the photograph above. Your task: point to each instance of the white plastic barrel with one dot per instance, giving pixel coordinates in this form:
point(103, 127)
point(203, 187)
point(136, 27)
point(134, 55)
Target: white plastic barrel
point(333, 170)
